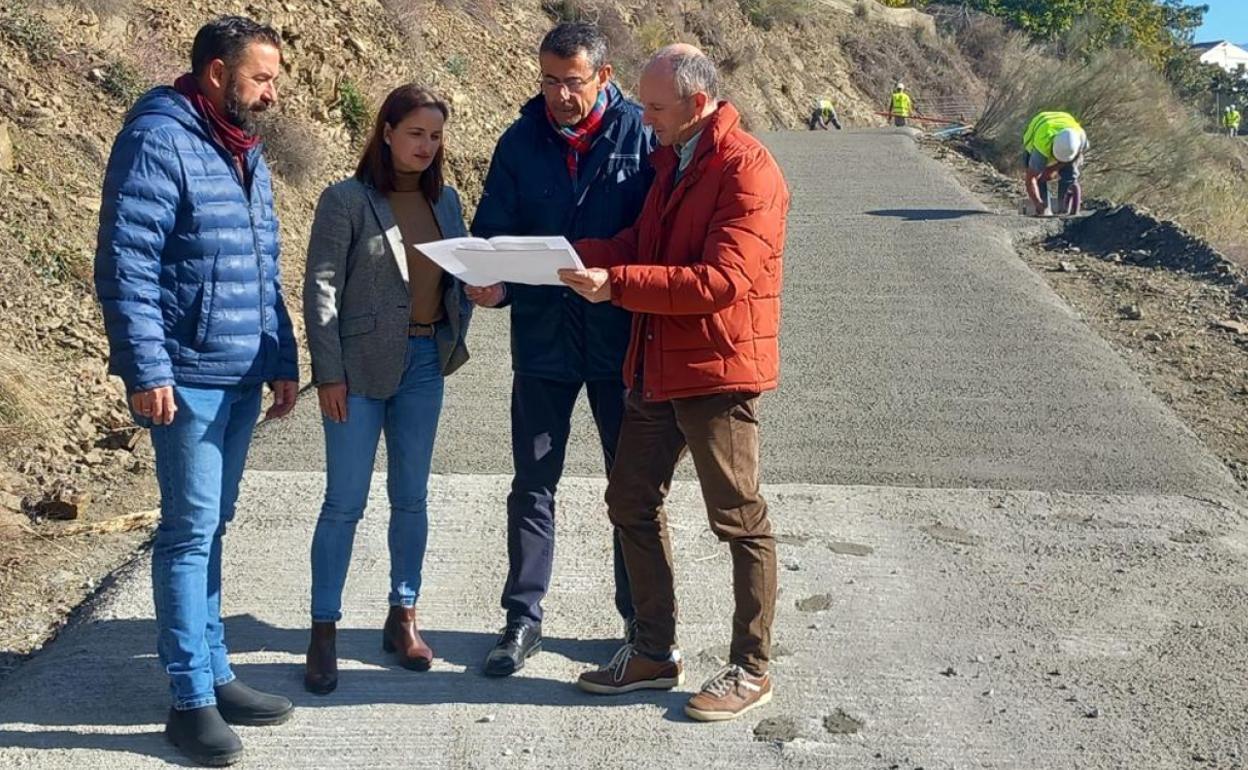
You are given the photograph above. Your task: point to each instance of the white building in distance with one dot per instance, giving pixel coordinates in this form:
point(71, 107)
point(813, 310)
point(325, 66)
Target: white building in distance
point(1223, 53)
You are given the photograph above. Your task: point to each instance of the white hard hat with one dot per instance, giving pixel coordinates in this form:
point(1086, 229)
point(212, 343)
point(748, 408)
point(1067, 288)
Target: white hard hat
point(900, 86)
point(1067, 144)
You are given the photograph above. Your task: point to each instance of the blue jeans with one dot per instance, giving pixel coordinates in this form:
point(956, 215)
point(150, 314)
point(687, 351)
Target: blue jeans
point(409, 420)
point(199, 464)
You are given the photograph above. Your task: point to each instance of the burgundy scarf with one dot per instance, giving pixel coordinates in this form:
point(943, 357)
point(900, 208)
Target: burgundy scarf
point(236, 141)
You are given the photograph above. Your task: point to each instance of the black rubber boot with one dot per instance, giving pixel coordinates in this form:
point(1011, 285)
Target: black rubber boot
point(203, 736)
point(241, 705)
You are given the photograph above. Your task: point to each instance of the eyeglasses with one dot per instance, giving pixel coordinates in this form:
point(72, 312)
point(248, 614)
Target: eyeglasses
point(574, 85)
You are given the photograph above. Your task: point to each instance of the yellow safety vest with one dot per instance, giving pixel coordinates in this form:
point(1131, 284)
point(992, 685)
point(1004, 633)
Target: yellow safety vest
point(1232, 119)
point(1044, 128)
point(825, 108)
point(901, 104)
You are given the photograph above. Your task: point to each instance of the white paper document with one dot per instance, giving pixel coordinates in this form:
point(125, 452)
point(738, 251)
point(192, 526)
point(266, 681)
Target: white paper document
point(534, 260)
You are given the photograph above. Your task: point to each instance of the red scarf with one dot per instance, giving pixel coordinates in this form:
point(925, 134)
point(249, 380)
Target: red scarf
point(235, 140)
point(581, 136)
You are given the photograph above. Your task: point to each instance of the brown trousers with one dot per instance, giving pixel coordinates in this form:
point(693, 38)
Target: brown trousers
point(721, 433)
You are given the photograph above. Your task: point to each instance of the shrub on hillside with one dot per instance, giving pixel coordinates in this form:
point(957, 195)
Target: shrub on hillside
point(291, 149)
point(1147, 146)
point(123, 82)
point(27, 30)
point(768, 14)
point(22, 409)
point(105, 8)
point(354, 109)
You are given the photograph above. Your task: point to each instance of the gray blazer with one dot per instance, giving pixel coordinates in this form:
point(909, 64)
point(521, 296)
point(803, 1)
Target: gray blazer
point(355, 294)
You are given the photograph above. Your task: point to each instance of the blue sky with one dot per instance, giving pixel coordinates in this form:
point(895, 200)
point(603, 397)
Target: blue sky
point(1226, 20)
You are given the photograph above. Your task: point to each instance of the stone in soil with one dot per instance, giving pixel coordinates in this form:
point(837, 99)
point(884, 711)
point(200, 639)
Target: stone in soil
point(851, 549)
point(817, 603)
point(949, 534)
point(840, 723)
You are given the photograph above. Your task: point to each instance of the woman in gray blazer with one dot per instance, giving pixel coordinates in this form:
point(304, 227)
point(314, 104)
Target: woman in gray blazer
point(385, 326)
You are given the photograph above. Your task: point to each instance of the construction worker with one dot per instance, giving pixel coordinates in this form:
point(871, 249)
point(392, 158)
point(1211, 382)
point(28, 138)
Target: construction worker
point(824, 115)
point(1054, 145)
point(899, 105)
point(1230, 120)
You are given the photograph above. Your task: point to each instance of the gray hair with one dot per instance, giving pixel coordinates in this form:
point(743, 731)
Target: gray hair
point(692, 70)
point(572, 38)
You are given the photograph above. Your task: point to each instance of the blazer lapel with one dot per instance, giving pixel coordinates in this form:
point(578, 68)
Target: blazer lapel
point(389, 229)
point(444, 214)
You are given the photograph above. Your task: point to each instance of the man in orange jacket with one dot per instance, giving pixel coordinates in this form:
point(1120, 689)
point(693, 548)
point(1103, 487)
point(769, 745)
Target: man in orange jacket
point(701, 271)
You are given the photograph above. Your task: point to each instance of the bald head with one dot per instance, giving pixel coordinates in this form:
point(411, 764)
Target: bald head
point(679, 90)
point(690, 70)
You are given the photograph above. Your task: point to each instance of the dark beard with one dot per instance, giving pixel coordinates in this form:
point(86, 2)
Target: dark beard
point(238, 113)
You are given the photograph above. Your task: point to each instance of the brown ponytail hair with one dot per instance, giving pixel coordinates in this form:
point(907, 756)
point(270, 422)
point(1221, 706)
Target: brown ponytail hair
point(377, 166)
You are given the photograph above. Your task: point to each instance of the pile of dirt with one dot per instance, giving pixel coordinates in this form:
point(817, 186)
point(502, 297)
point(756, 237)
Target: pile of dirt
point(1128, 233)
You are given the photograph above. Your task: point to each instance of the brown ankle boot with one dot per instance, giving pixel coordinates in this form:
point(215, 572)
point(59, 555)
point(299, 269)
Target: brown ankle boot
point(321, 673)
point(401, 635)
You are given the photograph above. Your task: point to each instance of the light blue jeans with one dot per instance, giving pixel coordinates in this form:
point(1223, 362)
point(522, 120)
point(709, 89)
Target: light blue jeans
point(199, 464)
point(409, 420)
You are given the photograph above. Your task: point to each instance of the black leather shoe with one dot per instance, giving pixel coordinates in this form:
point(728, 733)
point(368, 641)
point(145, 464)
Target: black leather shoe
point(241, 705)
point(519, 642)
point(203, 736)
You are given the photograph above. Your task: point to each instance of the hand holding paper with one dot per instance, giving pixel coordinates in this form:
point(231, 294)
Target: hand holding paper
point(504, 259)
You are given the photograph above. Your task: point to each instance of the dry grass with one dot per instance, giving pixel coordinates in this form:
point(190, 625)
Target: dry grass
point(1147, 146)
point(23, 408)
point(292, 149)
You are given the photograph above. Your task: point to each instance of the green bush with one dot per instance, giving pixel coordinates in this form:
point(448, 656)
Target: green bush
point(458, 66)
point(28, 31)
point(354, 108)
point(123, 82)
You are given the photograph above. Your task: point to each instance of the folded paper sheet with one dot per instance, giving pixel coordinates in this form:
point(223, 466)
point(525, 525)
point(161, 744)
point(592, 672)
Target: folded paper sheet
point(507, 259)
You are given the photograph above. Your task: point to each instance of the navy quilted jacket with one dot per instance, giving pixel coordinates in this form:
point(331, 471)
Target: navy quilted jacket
point(554, 333)
point(186, 264)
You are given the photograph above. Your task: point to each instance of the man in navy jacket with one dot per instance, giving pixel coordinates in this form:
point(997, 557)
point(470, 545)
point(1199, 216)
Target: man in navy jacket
point(186, 270)
point(576, 163)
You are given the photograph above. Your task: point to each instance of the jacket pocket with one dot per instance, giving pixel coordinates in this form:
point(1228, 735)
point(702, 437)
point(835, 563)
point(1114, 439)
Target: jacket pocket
point(205, 314)
point(356, 325)
point(719, 335)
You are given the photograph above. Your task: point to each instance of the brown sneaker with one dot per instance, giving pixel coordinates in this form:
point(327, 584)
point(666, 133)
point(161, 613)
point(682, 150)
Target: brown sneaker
point(630, 670)
point(728, 695)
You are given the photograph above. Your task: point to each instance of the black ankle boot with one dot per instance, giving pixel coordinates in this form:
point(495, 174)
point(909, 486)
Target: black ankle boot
point(203, 736)
point(241, 705)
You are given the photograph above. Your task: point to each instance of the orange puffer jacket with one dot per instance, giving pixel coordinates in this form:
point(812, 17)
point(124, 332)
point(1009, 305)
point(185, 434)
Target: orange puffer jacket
point(701, 269)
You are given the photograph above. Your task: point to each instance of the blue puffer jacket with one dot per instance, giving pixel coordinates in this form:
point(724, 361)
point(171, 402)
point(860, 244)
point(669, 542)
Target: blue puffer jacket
point(186, 265)
point(554, 333)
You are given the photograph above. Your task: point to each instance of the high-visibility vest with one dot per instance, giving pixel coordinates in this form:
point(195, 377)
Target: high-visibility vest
point(1044, 128)
point(825, 108)
point(901, 104)
point(1232, 119)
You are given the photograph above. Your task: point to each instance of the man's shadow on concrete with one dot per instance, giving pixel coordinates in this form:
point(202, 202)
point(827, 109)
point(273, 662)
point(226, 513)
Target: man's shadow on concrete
point(927, 215)
point(105, 674)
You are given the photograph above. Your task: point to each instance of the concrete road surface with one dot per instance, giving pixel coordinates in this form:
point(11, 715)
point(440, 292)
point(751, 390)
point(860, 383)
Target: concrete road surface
point(998, 548)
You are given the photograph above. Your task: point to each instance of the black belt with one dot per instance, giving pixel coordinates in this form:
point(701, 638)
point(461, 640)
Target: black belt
point(421, 330)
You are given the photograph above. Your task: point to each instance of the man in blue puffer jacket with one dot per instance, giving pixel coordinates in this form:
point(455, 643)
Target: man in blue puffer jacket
point(576, 164)
point(186, 270)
